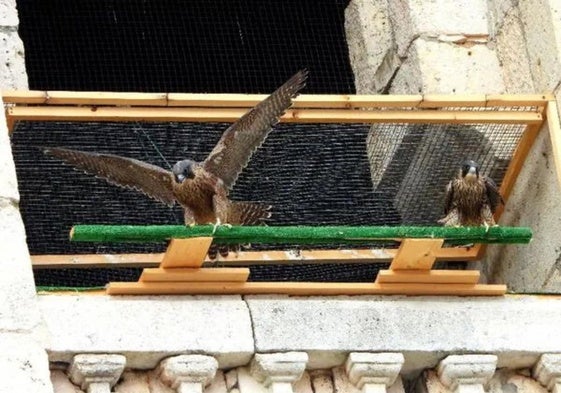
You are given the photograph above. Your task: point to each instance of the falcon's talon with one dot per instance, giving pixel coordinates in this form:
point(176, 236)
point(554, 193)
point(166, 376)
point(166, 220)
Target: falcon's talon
point(216, 225)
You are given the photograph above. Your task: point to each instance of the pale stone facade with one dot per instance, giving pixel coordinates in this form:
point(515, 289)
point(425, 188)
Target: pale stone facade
point(257, 344)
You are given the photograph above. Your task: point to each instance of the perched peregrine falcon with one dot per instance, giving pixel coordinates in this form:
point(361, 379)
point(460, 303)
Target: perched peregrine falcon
point(471, 199)
point(201, 188)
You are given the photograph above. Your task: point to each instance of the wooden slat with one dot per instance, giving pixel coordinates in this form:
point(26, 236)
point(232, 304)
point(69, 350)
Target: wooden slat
point(518, 157)
point(300, 288)
point(555, 135)
point(49, 261)
point(105, 98)
point(249, 100)
point(506, 100)
point(24, 97)
point(327, 101)
point(244, 258)
point(448, 100)
point(186, 252)
point(428, 276)
point(223, 274)
point(85, 113)
point(416, 254)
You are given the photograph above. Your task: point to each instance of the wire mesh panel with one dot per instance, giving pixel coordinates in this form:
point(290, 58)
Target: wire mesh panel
point(210, 46)
point(314, 174)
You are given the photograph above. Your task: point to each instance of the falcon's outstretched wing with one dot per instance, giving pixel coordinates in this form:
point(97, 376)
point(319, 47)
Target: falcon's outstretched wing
point(239, 141)
point(493, 194)
point(449, 197)
point(125, 172)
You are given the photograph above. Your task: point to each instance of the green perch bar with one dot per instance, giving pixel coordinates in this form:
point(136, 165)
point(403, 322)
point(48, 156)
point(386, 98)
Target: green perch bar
point(297, 234)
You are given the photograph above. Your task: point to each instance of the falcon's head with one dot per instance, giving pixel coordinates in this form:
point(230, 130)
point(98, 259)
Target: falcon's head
point(469, 170)
point(183, 170)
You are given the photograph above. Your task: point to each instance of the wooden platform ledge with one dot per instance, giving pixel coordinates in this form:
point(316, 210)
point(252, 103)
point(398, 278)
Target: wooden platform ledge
point(410, 272)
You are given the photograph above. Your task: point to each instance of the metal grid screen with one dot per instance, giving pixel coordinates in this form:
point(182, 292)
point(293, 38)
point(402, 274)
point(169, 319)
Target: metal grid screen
point(311, 174)
point(316, 174)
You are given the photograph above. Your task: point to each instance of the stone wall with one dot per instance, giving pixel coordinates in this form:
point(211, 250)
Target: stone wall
point(23, 359)
point(472, 47)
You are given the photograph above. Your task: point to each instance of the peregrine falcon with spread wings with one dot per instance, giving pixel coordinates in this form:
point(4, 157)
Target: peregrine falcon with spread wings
point(201, 188)
point(471, 199)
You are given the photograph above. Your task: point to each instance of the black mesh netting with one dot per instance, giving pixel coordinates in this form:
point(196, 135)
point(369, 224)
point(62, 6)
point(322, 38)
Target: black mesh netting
point(311, 174)
point(210, 46)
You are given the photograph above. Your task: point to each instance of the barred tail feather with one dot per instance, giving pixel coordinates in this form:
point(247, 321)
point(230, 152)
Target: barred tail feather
point(245, 213)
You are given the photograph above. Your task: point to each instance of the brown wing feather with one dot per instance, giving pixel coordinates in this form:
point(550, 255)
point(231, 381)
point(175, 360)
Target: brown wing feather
point(125, 172)
point(241, 139)
point(448, 199)
point(493, 194)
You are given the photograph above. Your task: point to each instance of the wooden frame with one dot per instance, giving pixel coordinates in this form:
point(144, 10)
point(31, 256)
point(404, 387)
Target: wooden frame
point(530, 110)
point(409, 274)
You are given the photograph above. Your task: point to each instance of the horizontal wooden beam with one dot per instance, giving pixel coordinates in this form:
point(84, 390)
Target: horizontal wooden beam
point(301, 288)
point(246, 258)
point(220, 274)
point(428, 276)
point(161, 114)
point(297, 234)
point(249, 100)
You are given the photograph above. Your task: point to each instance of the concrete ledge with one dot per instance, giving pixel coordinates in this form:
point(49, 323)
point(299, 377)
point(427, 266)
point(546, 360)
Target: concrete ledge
point(424, 329)
point(148, 329)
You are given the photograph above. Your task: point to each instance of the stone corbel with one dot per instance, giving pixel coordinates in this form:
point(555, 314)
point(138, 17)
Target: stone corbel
point(373, 372)
point(467, 373)
point(279, 371)
point(548, 371)
point(188, 373)
point(96, 373)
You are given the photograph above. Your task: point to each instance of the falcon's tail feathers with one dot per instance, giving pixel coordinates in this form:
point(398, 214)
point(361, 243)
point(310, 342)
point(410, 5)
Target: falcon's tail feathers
point(246, 213)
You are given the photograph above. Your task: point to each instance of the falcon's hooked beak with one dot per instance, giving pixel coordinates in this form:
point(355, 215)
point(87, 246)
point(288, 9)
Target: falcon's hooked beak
point(183, 170)
point(470, 171)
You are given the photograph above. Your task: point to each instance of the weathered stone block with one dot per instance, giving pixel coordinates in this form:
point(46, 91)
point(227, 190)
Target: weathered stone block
point(415, 18)
point(12, 62)
point(328, 328)
point(18, 308)
point(79, 324)
point(8, 14)
point(542, 27)
point(513, 54)
point(24, 365)
point(371, 46)
point(436, 67)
